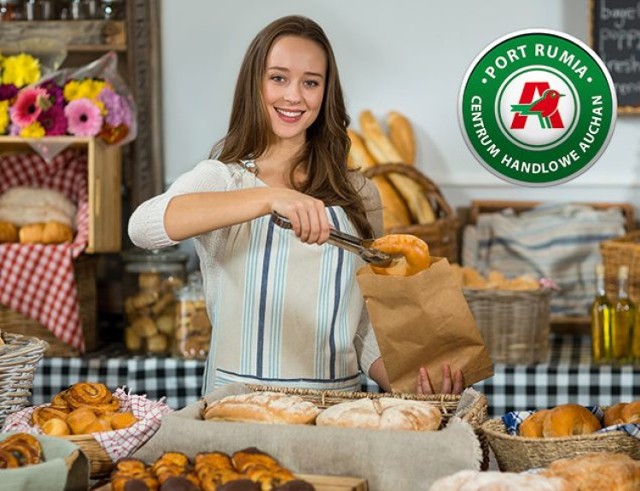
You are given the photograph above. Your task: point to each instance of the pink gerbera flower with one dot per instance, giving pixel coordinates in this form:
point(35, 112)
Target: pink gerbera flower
point(83, 117)
point(28, 106)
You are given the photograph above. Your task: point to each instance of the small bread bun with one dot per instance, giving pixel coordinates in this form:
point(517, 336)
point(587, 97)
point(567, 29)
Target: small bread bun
point(31, 234)
point(532, 426)
point(56, 427)
point(98, 426)
point(56, 233)
point(79, 419)
point(630, 413)
point(612, 414)
point(120, 421)
point(8, 232)
point(569, 420)
point(43, 414)
point(415, 251)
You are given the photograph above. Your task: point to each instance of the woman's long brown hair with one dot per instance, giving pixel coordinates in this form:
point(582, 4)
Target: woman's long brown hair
point(324, 157)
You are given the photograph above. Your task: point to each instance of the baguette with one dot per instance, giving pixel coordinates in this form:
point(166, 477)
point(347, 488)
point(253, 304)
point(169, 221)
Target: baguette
point(383, 151)
point(359, 157)
point(402, 136)
point(394, 210)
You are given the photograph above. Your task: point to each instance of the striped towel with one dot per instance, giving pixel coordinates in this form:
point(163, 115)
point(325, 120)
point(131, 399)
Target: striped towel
point(559, 241)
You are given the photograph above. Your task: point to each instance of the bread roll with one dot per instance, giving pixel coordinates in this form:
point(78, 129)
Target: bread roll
point(262, 407)
point(414, 252)
point(402, 136)
point(386, 413)
point(24, 205)
point(56, 233)
point(598, 471)
point(120, 421)
point(630, 413)
point(471, 480)
point(8, 232)
point(80, 419)
point(569, 420)
point(56, 427)
point(612, 414)
point(532, 426)
point(31, 234)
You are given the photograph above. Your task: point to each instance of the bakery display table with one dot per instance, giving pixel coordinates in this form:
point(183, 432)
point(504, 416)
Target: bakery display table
point(568, 375)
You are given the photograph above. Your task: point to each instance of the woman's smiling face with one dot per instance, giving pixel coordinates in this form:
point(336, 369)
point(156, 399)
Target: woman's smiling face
point(293, 86)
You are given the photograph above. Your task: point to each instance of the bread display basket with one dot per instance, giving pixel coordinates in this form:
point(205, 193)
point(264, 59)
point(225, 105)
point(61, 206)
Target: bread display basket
point(517, 454)
point(19, 358)
point(475, 413)
point(442, 234)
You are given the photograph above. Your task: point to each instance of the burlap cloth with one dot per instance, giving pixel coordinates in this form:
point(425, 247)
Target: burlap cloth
point(389, 460)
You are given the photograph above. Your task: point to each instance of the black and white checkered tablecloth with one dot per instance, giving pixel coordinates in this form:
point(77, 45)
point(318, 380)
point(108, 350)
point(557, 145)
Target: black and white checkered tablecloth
point(566, 376)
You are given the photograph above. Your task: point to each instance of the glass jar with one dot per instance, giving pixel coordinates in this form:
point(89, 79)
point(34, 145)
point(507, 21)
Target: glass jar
point(193, 327)
point(9, 10)
point(150, 282)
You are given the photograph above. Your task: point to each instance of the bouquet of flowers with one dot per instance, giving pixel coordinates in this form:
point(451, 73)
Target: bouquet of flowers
point(90, 101)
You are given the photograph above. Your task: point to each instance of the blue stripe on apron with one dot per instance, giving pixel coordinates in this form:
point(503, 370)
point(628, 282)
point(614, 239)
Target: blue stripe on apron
point(263, 298)
point(336, 302)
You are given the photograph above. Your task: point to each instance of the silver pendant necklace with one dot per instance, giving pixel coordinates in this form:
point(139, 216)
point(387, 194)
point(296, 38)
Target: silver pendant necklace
point(250, 166)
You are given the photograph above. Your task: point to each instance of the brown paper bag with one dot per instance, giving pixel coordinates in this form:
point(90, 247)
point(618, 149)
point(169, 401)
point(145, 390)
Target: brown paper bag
point(424, 320)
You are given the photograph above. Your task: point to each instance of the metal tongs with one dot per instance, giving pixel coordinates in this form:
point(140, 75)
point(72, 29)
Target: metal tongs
point(347, 242)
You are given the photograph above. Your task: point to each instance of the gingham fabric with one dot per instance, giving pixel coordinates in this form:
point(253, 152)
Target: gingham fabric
point(568, 375)
point(36, 280)
point(118, 443)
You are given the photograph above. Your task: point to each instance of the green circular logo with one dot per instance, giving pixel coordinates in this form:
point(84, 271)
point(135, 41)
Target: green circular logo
point(537, 107)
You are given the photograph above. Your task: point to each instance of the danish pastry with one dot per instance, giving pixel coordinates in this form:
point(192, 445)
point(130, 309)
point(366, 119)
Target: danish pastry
point(8, 232)
point(97, 396)
point(56, 427)
point(120, 421)
point(414, 252)
point(42, 414)
point(80, 419)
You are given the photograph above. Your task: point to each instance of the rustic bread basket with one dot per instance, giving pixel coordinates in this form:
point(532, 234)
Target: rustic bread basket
point(85, 274)
point(517, 454)
point(441, 235)
point(622, 251)
point(514, 324)
point(475, 413)
point(19, 358)
point(99, 461)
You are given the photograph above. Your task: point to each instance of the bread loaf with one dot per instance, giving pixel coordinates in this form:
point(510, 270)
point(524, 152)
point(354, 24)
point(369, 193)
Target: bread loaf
point(402, 136)
point(598, 471)
point(262, 407)
point(471, 480)
point(394, 210)
point(386, 413)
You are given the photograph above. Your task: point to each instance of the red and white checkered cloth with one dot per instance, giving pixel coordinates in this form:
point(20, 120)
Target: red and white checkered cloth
point(117, 443)
point(36, 280)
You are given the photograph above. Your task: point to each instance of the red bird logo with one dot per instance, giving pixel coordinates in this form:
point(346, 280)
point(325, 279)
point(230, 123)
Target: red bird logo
point(544, 107)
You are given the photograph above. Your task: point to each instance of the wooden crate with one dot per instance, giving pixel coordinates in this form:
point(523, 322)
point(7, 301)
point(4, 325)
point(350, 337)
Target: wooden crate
point(104, 180)
point(85, 274)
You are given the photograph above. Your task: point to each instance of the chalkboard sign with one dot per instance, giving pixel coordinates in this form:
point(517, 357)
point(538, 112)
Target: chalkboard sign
point(615, 36)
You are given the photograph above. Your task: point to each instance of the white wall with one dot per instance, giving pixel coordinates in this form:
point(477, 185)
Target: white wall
point(408, 55)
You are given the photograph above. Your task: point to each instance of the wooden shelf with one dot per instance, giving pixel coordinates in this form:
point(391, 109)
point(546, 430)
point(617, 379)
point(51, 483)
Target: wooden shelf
point(104, 176)
point(77, 35)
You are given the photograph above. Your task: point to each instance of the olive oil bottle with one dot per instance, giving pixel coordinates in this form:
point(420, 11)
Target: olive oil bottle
point(623, 320)
point(601, 311)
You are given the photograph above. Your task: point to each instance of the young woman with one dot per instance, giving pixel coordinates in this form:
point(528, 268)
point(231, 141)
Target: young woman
point(285, 309)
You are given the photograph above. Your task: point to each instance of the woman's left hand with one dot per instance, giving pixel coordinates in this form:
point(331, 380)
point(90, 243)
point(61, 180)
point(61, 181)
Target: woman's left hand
point(450, 384)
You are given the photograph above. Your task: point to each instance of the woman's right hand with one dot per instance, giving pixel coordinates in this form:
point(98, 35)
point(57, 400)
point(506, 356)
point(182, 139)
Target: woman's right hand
point(308, 215)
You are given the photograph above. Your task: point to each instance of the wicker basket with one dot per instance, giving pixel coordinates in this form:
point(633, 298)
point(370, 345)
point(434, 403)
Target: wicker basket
point(99, 461)
point(513, 324)
point(622, 251)
point(85, 275)
point(18, 361)
point(475, 414)
point(517, 454)
point(441, 235)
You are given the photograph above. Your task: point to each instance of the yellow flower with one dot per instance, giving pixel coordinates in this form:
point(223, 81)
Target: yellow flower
point(4, 116)
point(34, 130)
point(20, 70)
point(83, 89)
